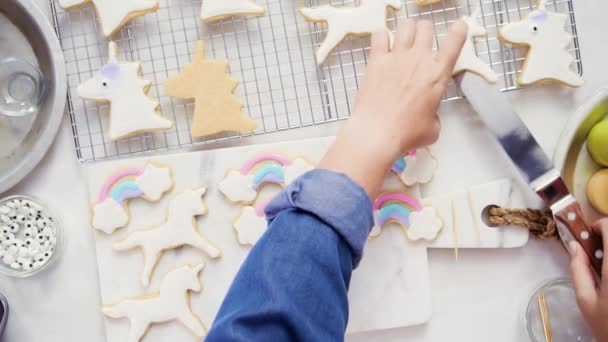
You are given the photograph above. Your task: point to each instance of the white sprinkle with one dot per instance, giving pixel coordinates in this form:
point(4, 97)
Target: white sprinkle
point(585, 235)
point(5, 210)
point(15, 265)
point(5, 219)
point(571, 217)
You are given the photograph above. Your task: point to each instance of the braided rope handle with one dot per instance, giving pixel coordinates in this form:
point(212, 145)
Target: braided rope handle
point(540, 223)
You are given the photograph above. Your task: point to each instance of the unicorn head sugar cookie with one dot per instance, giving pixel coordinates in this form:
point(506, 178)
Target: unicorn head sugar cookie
point(548, 59)
point(131, 110)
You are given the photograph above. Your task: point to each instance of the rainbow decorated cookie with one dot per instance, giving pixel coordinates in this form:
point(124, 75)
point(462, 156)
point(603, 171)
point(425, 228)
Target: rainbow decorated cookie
point(149, 182)
point(242, 185)
point(416, 167)
point(418, 222)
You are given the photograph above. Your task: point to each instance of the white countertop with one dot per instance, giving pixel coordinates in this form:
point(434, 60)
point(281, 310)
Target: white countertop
point(480, 297)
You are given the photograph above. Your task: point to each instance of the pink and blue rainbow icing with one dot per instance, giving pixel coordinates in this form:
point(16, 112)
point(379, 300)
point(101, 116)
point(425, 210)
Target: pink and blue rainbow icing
point(395, 206)
point(400, 164)
point(120, 186)
point(268, 172)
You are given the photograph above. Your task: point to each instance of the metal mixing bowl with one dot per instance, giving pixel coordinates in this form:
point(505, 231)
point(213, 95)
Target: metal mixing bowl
point(24, 141)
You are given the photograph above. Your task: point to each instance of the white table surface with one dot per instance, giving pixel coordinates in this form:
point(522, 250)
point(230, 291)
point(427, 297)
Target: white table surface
point(480, 297)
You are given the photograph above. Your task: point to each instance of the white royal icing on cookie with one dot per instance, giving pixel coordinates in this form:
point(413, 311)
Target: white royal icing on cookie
point(171, 303)
point(178, 230)
point(109, 215)
point(244, 184)
point(298, 167)
point(150, 182)
point(237, 187)
point(154, 181)
point(548, 58)
point(420, 167)
point(368, 17)
point(424, 224)
point(219, 9)
point(131, 110)
point(468, 59)
point(249, 226)
point(113, 13)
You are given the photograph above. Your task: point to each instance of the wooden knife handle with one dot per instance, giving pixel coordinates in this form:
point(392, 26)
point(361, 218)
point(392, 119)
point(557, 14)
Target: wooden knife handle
point(572, 217)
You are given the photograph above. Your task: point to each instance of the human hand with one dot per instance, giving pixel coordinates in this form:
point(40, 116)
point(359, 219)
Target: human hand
point(403, 87)
point(592, 299)
point(396, 108)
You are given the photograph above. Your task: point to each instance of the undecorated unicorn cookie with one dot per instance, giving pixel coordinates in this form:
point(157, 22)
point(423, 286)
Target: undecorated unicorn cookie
point(242, 185)
point(171, 303)
point(214, 10)
point(417, 221)
point(131, 110)
point(149, 182)
point(548, 59)
point(417, 167)
point(362, 20)
point(216, 108)
point(114, 14)
point(179, 229)
point(468, 59)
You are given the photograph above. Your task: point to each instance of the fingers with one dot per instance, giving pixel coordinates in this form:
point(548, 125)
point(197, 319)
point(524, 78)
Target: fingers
point(582, 278)
point(601, 227)
point(380, 44)
point(424, 35)
point(405, 35)
point(453, 43)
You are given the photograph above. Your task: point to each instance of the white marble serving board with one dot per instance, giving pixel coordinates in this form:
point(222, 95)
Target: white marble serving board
point(390, 288)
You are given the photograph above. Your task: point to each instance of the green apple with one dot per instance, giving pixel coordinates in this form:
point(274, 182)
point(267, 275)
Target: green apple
point(597, 143)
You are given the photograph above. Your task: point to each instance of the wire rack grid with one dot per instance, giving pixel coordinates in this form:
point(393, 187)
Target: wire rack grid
point(272, 56)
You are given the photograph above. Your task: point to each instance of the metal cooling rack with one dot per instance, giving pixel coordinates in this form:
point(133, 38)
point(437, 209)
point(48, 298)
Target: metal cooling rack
point(272, 56)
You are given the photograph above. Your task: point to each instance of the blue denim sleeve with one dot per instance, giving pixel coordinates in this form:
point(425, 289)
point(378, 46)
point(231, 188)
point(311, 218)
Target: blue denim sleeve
point(294, 283)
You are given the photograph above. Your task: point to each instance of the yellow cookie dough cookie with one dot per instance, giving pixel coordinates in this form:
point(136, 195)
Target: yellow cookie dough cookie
point(597, 191)
point(216, 108)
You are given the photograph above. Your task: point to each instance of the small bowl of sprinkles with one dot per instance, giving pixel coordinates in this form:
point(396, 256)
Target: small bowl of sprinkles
point(30, 236)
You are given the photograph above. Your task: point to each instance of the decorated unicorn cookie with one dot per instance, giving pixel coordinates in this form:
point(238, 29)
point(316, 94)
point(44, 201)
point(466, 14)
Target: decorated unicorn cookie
point(416, 167)
point(548, 59)
point(178, 230)
point(418, 222)
point(171, 303)
point(242, 185)
point(468, 60)
point(114, 14)
point(368, 17)
point(111, 210)
point(214, 10)
point(131, 110)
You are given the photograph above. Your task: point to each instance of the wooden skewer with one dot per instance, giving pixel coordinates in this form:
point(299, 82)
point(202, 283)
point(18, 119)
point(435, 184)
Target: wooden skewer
point(455, 230)
point(544, 315)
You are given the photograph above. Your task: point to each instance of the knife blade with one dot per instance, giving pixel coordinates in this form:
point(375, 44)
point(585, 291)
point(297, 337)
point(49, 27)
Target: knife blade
point(532, 162)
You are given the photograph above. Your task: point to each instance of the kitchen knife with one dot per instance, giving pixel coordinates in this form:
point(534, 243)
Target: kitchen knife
point(537, 169)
